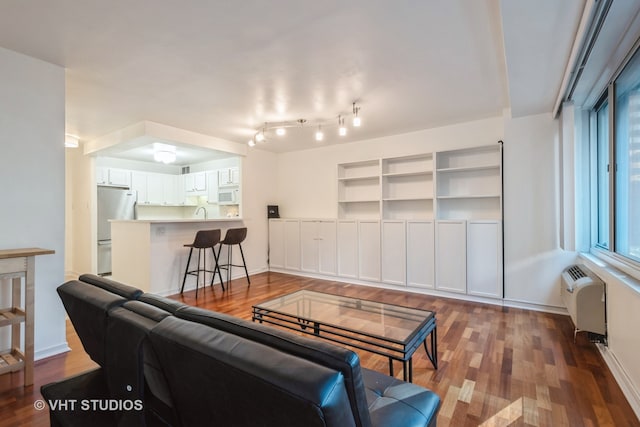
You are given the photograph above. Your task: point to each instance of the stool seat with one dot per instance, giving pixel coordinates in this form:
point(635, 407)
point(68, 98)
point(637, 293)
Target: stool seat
point(234, 236)
point(204, 240)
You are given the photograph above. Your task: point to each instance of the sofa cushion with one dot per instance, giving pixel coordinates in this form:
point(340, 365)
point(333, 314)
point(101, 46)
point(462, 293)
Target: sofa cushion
point(126, 362)
point(87, 307)
point(222, 379)
point(163, 303)
point(118, 288)
point(73, 392)
point(397, 403)
point(317, 351)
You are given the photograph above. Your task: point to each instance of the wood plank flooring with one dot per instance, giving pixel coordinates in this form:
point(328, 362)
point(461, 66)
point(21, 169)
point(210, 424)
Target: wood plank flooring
point(497, 366)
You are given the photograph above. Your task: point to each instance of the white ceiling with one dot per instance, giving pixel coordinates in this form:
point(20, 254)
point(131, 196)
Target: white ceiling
point(223, 68)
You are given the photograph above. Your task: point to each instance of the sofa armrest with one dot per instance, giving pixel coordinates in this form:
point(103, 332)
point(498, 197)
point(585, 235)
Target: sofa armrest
point(393, 402)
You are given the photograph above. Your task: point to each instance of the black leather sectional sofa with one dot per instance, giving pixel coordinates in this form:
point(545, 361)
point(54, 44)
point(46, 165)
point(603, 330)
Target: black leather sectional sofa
point(165, 363)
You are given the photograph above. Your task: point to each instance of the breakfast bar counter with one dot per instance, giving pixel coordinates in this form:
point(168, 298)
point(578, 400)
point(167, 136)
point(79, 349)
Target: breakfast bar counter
point(150, 254)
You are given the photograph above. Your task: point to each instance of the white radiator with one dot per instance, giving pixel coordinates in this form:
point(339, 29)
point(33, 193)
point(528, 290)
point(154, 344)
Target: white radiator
point(584, 295)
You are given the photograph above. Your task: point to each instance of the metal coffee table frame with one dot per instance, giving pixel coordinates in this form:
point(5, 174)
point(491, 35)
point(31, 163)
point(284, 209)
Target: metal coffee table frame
point(394, 349)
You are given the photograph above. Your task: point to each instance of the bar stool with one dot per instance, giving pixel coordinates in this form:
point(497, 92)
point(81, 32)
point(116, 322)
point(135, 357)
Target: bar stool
point(204, 240)
point(233, 236)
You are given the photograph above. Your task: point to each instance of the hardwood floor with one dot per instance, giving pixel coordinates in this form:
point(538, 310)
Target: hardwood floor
point(497, 366)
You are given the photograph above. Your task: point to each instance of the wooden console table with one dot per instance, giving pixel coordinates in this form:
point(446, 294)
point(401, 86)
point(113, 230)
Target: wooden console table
point(16, 264)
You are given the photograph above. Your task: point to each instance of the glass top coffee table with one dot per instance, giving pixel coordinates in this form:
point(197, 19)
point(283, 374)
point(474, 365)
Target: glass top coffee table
point(385, 329)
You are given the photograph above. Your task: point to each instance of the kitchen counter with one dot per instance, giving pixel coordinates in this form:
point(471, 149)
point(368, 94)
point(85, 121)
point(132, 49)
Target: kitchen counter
point(150, 254)
point(179, 220)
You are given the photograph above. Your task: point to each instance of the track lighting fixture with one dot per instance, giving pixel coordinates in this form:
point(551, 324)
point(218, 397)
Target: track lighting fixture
point(356, 118)
point(342, 130)
point(280, 128)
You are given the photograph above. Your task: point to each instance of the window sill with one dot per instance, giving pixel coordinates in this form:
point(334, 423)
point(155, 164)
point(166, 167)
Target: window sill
point(606, 267)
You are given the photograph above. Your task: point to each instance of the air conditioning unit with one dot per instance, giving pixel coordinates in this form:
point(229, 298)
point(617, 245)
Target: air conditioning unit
point(584, 295)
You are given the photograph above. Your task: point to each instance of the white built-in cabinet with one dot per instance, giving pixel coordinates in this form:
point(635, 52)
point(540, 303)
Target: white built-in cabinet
point(421, 254)
point(318, 246)
point(394, 253)
point(276, 243)
point(369, 250)
point(484, 258)
point(195, 183)
point(347, 248)
point(451, 256)
point(429, 220)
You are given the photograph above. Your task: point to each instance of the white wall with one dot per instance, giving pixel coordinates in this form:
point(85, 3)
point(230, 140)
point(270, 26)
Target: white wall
point(307, 180)
point(307, 187)
point(32, 178)
point(533, 258)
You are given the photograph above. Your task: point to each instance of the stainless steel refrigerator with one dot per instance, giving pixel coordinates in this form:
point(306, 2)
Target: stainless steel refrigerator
point(113, 203)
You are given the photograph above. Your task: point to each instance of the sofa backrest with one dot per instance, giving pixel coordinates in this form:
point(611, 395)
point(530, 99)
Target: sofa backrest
point(125, 291)
point(131, 368)
point(219, 378)
point(88, 307)
point(317, 351)
point(163, 303)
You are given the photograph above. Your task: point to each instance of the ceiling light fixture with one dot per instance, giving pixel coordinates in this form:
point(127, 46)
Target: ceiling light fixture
point(342, 130)
point(280, 128)
point(164, 153)
point(71, 141)
point(356, 118)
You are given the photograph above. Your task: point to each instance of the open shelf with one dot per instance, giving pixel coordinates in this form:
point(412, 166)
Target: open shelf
point(11, 361)
point(11, 316)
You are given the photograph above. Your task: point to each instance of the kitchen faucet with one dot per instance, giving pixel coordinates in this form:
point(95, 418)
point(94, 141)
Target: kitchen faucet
point(204, 209)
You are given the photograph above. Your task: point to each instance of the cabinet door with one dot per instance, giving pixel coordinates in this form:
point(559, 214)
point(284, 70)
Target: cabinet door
point(420, 254)
point(189, 183)
point(101, 176)
point(224, 177)
point(309, 245)
point(327, 247)
point(292, 244)
point(484, 258)
point(119, 177)
point(347, 248)
point(394, 252)
point(235, 176)
point(212, 187)
point(139, 185)
point(276, 243)
point(451, 256)
point(170, 189)
point(369, 250)
point(200, 181)
point(155, 191)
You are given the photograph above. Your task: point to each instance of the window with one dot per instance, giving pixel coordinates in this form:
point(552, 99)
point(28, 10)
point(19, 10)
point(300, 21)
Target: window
point(618, 166)
point(602, 175)
point(627, 159)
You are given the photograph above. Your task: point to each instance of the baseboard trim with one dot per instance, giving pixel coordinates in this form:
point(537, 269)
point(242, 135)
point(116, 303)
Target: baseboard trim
point(52, 351)
point(626, 384)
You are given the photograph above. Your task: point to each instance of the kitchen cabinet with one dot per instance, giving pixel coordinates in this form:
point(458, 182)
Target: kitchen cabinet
point(113, 177)
point(369, 250)
point(212, 187)
point(484, 258)
point(451, 255)
point(420, 254)
point(318, 246)
point(156, 188)
point(229, 177)
point(347, 248)
point(195, 183)
point(394, 252)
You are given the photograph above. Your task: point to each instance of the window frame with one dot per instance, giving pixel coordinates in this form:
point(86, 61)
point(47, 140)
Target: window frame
point(609, 255)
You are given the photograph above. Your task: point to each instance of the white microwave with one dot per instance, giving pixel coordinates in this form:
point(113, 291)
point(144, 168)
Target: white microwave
point(228, 197)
